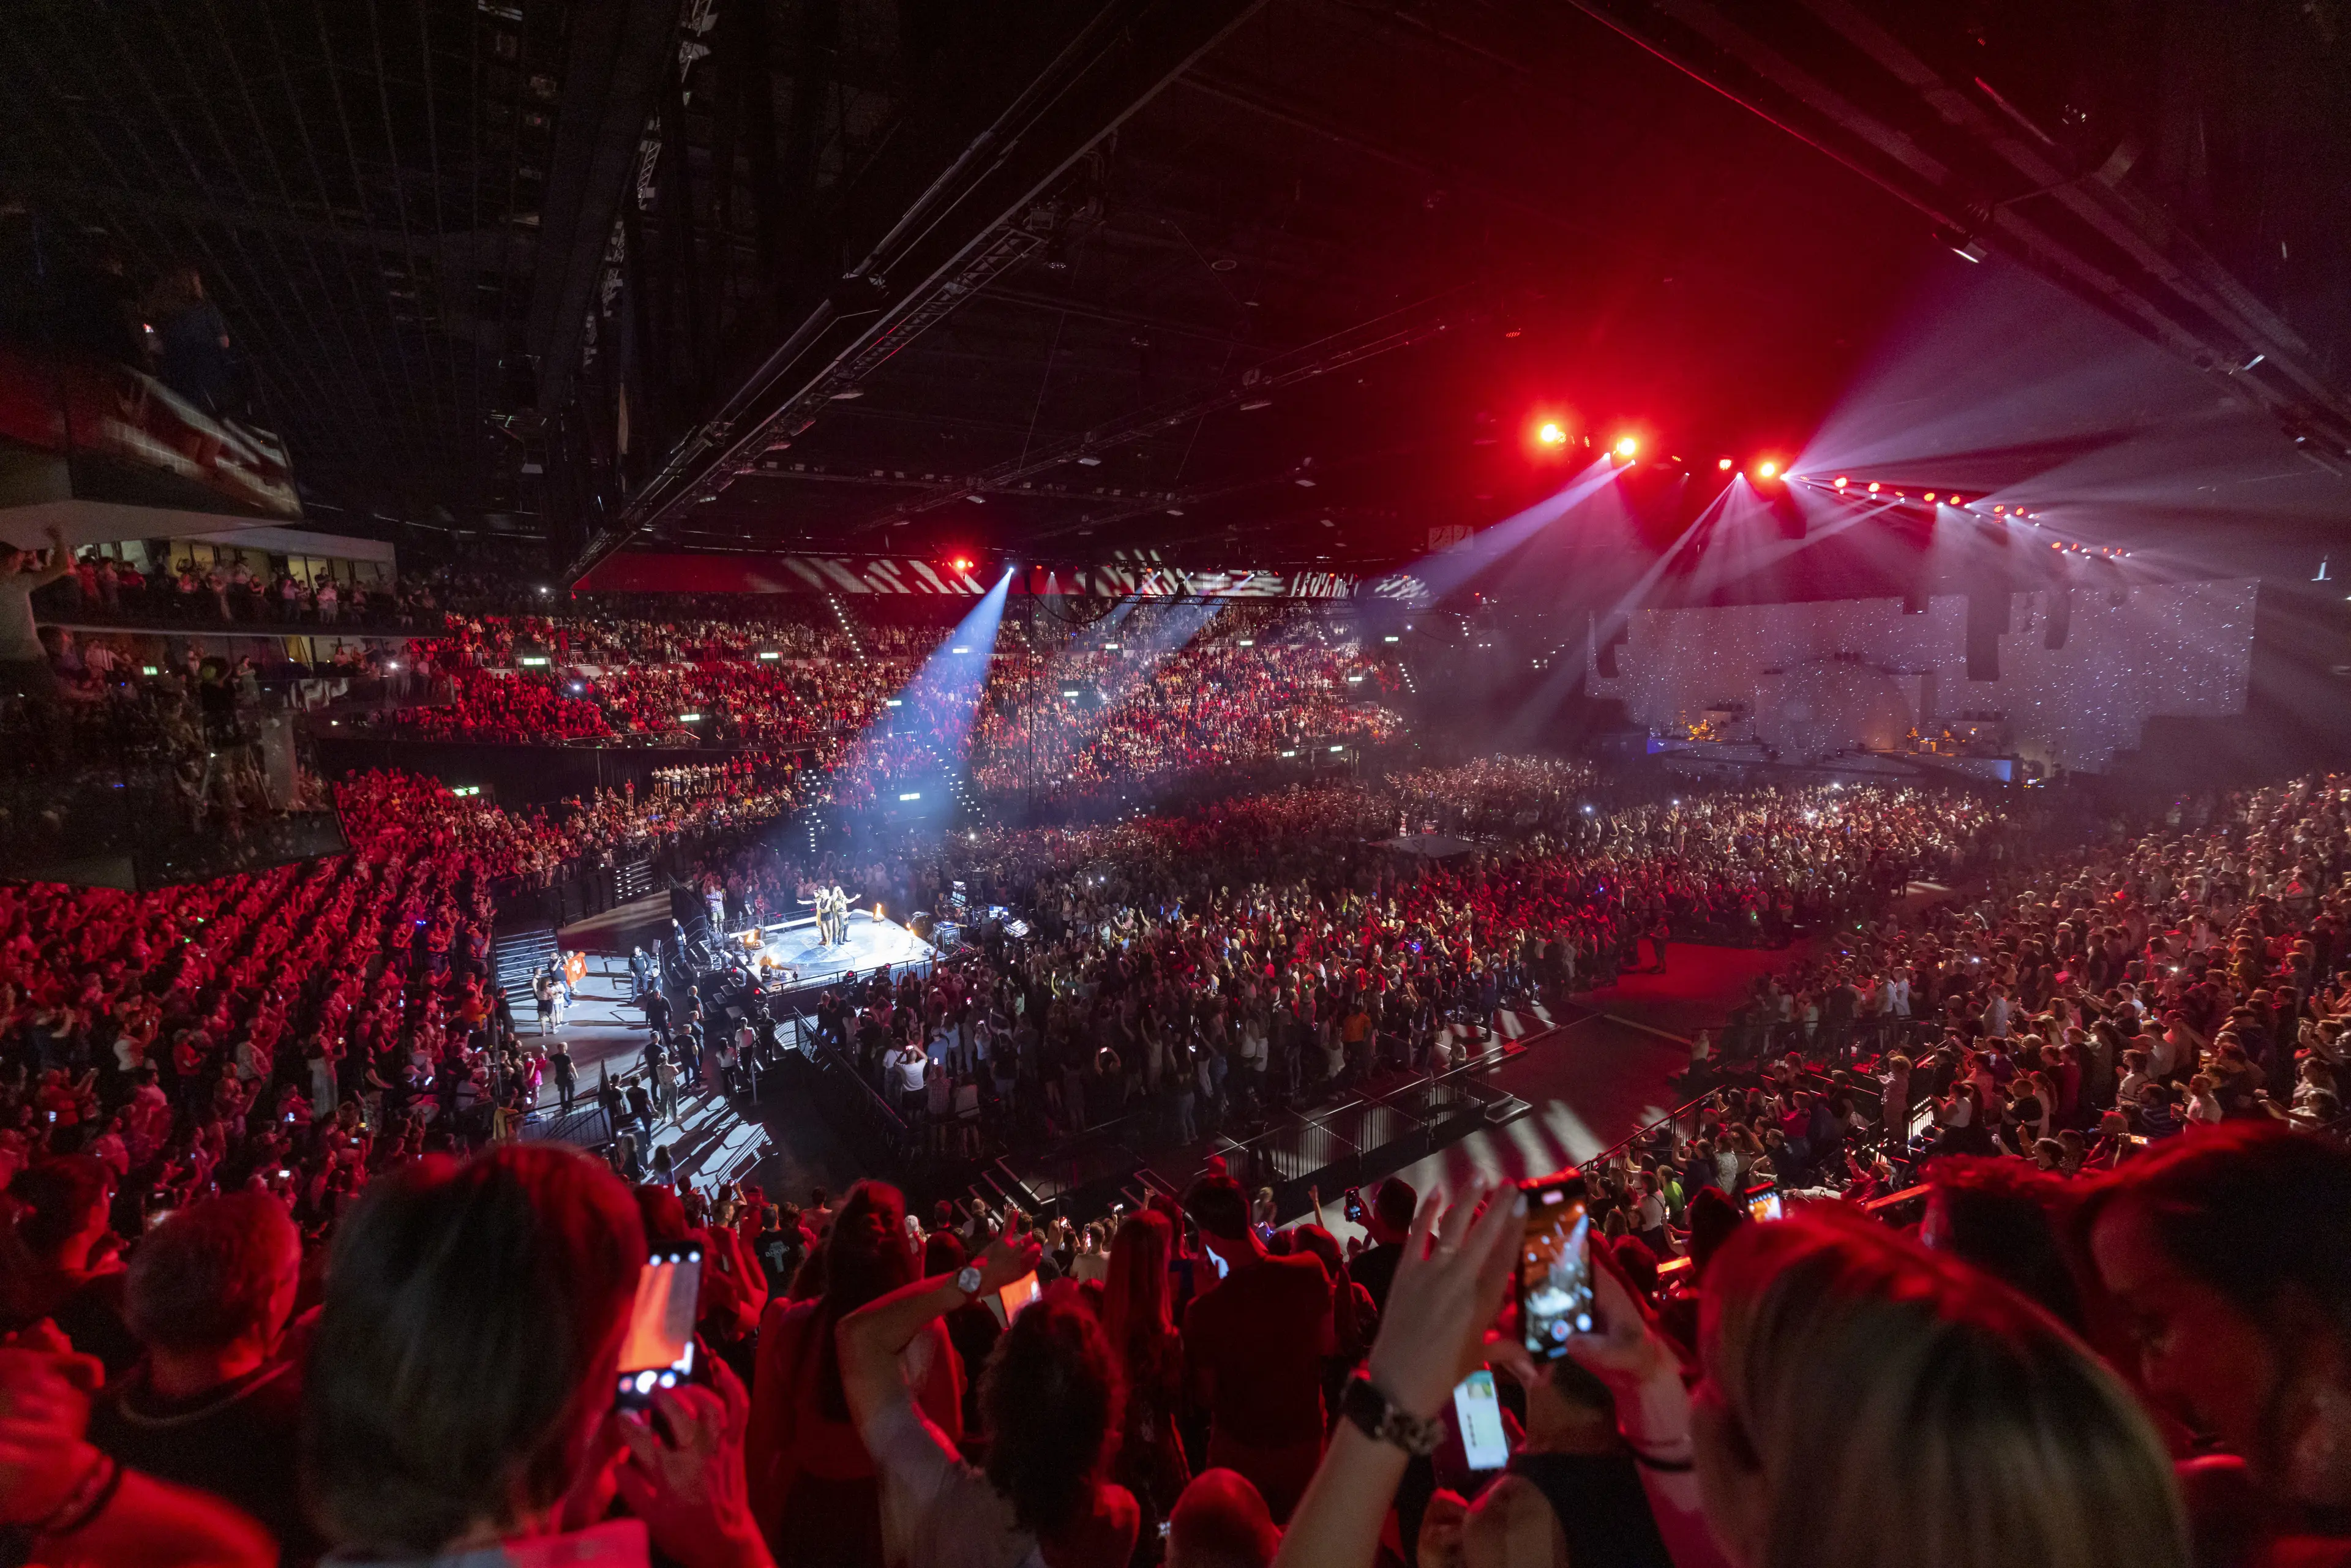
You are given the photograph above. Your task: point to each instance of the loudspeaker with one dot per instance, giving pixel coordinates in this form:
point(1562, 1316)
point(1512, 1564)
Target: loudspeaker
point(2061, 617)
point(1987, 619)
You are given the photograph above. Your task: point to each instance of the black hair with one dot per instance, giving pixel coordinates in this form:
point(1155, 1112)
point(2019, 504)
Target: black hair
point(1051, 1397)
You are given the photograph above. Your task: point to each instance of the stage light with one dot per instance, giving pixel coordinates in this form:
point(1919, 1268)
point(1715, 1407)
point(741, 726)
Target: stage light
point(1768, 469)
point(1723, 463)
point(1839, 481)
point(1930, 497)
point(1873, 486)
point(769, 656)
point(1551, 435)
point(961, 563)
point(689, 718)
point(1626, 446)
point(2000, 511)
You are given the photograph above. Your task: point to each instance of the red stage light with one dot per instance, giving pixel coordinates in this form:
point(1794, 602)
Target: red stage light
point(961, 563)
point(1840, 483)
point(1768, 469)
point(1930, 497)
point(1552, 433)
point(1873, 486)
point(1723, 463)
point(1627, 445)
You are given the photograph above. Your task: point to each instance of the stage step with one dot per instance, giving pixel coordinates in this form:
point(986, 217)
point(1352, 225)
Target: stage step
point(633, 879)
point(516, 956)
point(1504, 1109)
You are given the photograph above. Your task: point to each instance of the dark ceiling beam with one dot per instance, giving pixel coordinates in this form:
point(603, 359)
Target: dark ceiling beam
point(1966, 171)
point(1382, 335)
point(617, 55)
point(969, 192)
point(1108, 316)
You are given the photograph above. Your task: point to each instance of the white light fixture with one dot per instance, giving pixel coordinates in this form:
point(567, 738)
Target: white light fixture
point(689, 718)
point(770, 655)
point(892, 702)
point(912, 795)
point(963, 649)
point(1338, 748)
point(1391, 638)
point(531, 659)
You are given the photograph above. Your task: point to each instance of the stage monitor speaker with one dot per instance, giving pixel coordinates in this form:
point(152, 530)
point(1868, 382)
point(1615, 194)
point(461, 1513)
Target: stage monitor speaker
point(2061, 617)
point(1987, 617)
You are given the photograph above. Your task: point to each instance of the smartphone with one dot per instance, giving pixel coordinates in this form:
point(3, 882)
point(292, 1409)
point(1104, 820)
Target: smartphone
point(1762, 1203)
point(1555, 1265)
point(1354, 1206)
point(1477, 1411)
point(1017, 1295)
point(1217, 1264)
point(658, 1351)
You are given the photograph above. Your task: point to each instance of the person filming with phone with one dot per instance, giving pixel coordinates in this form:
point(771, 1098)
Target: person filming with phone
point(1049, 1400)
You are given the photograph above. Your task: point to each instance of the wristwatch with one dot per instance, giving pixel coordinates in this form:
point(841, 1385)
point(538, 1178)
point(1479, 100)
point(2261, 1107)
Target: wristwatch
point(967, 1279)
point(1382, 1419)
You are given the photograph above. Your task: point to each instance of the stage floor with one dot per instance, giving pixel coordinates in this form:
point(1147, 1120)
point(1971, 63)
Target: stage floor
point(801, 962)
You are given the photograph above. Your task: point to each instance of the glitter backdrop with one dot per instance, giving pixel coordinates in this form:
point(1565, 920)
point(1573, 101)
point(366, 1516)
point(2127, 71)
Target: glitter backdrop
point(2183, 649)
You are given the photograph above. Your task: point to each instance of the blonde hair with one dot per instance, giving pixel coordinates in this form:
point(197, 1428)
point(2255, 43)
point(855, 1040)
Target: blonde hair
point(1902, 1406)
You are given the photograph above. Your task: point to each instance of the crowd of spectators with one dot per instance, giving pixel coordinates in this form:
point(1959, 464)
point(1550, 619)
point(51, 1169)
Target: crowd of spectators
point(1176, 692)
point(235, 1079)
point(1193, 972)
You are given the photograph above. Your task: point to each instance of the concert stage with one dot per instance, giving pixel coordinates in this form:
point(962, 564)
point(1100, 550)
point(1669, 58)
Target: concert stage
point(800, 962)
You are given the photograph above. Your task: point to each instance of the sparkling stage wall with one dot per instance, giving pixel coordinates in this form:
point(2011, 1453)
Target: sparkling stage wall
point(1830, 674)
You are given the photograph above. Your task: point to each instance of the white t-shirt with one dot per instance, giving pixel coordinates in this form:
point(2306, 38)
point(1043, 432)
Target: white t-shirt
point(939, 1511)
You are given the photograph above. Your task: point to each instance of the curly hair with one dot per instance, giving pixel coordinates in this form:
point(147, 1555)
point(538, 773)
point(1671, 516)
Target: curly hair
point(1050, 1397)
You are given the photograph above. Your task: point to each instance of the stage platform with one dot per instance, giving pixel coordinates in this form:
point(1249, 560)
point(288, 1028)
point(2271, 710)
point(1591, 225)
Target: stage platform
point(801, 963)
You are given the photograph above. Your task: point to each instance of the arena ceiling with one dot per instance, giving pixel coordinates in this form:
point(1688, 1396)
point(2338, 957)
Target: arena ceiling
point(1263, 282)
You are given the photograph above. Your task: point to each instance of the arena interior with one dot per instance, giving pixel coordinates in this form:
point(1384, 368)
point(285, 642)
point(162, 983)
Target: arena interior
point(747, 746)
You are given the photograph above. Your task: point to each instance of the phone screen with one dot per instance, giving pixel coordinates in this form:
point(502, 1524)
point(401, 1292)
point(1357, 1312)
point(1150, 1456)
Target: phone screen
point(1477, 1411)
point(1017, 1295)
point(1218, 1264)
point(658, 1349)
point(1555, 1266)
point(1763, 1205)
point(1354, 1206)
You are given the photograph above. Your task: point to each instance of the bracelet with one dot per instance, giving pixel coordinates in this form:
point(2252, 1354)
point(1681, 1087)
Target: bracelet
point(1384, 1420)
point(76, 1508)
point(96, 1504)
point(1649, 1462)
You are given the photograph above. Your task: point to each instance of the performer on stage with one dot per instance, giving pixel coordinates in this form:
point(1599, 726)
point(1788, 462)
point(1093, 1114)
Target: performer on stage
point(839, 906)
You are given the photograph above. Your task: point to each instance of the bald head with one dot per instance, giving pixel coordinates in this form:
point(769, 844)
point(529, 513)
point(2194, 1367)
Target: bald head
point(1221, 1521)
